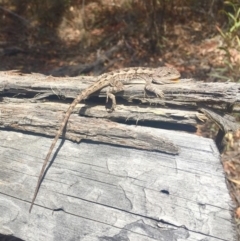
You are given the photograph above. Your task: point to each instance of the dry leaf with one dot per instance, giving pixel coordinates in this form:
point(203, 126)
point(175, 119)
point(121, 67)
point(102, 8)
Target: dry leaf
point(234, 181)
point(237, 212)
point(229, 167)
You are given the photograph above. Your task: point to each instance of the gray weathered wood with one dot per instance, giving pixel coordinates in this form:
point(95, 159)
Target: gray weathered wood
point(45, 119)
point(102, 192)
point(123, 112)
point(186, 92)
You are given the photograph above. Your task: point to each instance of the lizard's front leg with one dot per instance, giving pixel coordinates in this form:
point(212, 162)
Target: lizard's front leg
point(115, 87)
point(152, 88)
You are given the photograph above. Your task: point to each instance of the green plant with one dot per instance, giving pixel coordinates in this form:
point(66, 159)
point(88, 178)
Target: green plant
point(231, 42)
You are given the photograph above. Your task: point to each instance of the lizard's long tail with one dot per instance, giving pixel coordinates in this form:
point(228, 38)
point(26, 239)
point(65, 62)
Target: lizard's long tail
point(58, 134)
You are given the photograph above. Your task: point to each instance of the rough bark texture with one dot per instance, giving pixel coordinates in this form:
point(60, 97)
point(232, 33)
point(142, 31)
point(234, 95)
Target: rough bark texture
point(183, 93)
point(45, 119)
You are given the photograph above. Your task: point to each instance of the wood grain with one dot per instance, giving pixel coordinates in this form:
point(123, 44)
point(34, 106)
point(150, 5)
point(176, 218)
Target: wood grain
point(184, 93)
point(96, 191)
point(103, 192)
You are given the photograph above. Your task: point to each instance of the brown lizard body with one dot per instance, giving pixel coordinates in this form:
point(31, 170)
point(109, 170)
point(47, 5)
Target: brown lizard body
point(115, 80)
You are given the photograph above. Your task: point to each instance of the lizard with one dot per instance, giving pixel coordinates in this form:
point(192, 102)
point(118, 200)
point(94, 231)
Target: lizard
point(116, 81)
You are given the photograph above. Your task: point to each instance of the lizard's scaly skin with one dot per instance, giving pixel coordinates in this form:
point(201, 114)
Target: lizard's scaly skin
point(116, 81)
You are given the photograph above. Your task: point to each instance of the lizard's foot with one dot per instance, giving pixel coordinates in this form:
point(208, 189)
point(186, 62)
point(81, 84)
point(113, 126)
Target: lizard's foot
point(159, 94)
point(110, 110)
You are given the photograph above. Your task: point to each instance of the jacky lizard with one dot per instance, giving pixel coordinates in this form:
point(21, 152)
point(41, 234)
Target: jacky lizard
point(115, 80)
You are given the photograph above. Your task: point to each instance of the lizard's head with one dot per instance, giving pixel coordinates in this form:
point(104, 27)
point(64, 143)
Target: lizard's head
point(166, 74)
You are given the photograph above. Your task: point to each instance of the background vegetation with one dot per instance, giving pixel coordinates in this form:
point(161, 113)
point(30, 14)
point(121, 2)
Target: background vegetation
point(201, 38)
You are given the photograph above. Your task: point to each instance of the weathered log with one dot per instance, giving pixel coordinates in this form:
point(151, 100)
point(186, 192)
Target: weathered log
point(96, 191)
point(45, 119)
point(184, 93)
point(101, 192)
